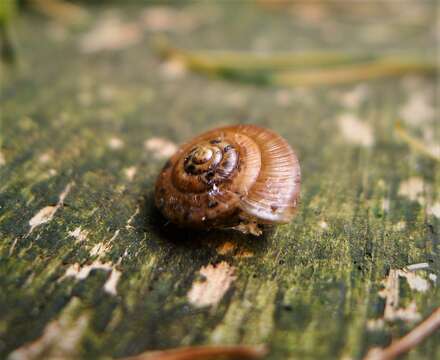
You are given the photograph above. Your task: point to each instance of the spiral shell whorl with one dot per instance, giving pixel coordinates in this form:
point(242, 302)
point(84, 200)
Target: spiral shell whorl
point(227, 174)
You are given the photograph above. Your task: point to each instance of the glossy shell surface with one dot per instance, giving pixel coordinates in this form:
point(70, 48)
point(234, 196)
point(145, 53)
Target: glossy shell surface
point(229, 174)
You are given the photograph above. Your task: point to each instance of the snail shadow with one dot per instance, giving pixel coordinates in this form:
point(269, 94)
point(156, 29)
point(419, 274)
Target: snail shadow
point(222, 242)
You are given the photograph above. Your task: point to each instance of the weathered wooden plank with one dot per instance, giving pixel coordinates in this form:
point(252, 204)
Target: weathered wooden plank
point(89, 269)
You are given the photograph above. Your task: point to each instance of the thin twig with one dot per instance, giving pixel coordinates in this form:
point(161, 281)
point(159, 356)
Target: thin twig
point(204, 353)
point(414, 143)
point(409, 341)
point(376, 69)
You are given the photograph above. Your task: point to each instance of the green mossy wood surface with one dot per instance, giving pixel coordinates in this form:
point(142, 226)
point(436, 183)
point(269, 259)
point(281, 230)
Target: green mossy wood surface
point(88, 269)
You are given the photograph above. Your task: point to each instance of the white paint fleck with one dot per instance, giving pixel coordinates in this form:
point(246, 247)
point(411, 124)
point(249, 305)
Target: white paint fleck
point(417, 109)
point(130, 172)
point(434, 209)
point(115, 143)
point(163, 18)
point(355, 131)
point(110, 33)
point(129, 225)
point(412, 189)
point(416, 282)
point(375, 324)
point(355, 97)
point(160, 148)
point(323, 225)
point(386, 204)
point(81, 272)
point(112, 282)
point(100, 249)
point(419, 266)
point(433, 277)
point(79, 234)
point(217, 280)
point(46, 214)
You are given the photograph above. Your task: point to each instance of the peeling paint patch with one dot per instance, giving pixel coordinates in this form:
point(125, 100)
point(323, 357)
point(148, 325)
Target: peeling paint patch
point(110, 33)
point(115, 143)
point(130, 172)
point(80, 273)
point(216, 281)
point(46, 214)
point(434, 210)
point(412, 189)
point(160, 148)
point(129, 223)
point(60, 337)
point(102, 248)
point(112, 282)
point(79, 234)
point(391, 293)
point(375, 324)
point(433, 277)
point(355, 131)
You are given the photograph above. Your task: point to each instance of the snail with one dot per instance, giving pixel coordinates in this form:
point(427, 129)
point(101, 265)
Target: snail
point(239, 177)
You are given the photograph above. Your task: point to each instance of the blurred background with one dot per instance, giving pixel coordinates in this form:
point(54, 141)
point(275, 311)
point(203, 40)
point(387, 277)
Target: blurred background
point(95, 97)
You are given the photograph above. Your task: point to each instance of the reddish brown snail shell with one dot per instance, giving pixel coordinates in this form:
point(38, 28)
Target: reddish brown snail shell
point(232, 177)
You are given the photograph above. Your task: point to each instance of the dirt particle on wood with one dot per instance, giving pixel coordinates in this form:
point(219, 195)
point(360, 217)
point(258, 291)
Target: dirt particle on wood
point(217, 280)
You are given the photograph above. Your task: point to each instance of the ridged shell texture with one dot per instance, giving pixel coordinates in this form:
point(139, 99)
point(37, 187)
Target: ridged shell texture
point(229, 174)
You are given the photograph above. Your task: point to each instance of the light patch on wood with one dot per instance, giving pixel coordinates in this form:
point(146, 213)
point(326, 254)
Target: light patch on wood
point(434, 209)
point(433, 277)
point(160, 148)
point(112, 282)
point(216, 281)
point(79, 234)
point(115, 143)
point(355, 131)
point(225, 248)
point(60, 337)
point(110, 33)
point(81, 272)
point(412, 189)
point(163, 18)
point(130, 172)
point(391, 293)
point(355, 97)
point(129, 223)
point(375, 324)
point(417, 109)
point(46, 214)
